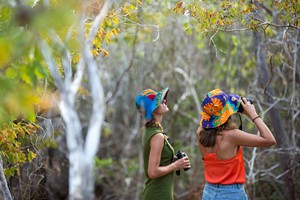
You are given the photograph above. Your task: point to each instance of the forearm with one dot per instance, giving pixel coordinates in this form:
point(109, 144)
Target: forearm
point(156, 172)
point(264, 131)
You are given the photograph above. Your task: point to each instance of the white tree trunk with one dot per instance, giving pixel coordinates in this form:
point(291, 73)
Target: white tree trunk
point(81, 154)
point(4, 190)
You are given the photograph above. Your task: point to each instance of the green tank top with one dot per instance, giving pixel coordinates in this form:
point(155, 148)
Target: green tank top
point(158, 188)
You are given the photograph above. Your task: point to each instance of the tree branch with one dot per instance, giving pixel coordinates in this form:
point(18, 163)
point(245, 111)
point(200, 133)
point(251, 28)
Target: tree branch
point(97, 92)
point(46, 52)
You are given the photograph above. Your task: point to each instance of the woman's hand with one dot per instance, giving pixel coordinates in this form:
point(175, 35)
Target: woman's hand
point(249, 109)
point(182, 163)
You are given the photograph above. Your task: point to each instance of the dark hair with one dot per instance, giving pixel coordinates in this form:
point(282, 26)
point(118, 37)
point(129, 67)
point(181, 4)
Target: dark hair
point(154, 124)
point(208, 135)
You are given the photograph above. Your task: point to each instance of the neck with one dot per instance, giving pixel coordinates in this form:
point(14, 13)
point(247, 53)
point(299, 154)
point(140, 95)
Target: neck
point(158, 118)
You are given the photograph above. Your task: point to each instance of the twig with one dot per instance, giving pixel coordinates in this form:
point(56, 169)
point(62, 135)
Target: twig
point(215, 46)
point(272, 24)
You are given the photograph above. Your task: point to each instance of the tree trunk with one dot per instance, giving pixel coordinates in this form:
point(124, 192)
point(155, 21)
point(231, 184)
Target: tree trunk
point(277, 126)
point(4, 190)
point(88, 180)
point(81, 153)
point(81, 180)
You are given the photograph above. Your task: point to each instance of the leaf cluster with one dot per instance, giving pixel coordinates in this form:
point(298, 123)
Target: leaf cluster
point(15, 145)
point(211, 16)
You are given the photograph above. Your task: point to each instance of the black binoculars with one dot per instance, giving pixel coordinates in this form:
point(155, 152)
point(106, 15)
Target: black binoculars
point(178, 156)
point(241, 109)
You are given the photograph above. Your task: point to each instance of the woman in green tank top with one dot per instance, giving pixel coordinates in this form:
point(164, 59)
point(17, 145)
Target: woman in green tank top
point(158, 153)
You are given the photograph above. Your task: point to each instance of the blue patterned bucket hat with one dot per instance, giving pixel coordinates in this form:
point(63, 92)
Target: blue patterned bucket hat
point(148, 100)
point(217, 107)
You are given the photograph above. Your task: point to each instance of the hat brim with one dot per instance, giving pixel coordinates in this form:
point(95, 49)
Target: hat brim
point(161, 95)
point(165, 93)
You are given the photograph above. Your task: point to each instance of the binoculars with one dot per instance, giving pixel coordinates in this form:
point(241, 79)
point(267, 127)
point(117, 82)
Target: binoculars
point(178, 156)
point(241, 109)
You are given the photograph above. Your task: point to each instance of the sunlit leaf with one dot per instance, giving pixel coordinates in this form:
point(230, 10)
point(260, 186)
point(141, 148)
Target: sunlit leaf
point(31, 156)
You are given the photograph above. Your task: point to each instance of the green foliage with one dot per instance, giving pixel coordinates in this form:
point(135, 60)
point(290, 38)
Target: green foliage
point(16, 100)
point(21, 67)
point(21, 64)
point(23, 71)
point(132, 167)
point(103, 166)
point(101, 163)
point(15, 146)
point(211, 16)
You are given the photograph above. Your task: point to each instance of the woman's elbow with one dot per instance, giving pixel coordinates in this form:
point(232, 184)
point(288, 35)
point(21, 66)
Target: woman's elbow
point(273, 142)
point(152, 174)
point(270, 142)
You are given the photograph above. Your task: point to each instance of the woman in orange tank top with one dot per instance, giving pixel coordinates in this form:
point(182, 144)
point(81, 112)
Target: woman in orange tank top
point(220, 143)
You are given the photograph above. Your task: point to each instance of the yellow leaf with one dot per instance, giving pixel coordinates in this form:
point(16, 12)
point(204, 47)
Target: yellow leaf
point(114, 32)
point(115, 20)
point(220, 22)
point(105, 53)
point(31, 156)
point(107, 39)
point(178, 6)
point(95, 52)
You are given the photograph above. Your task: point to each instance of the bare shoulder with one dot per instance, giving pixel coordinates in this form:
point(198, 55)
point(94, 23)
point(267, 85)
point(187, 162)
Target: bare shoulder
point(156, 143)
point(158, 137)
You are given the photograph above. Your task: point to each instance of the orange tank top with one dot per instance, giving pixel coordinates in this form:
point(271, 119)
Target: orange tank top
point(230, 171)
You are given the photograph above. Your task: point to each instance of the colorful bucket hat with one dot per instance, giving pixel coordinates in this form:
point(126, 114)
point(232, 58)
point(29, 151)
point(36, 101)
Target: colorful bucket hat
point(148, 100)
point(217, 107)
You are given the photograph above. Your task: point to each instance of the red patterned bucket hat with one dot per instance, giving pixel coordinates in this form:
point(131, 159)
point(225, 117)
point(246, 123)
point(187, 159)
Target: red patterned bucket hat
point(217, 107)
